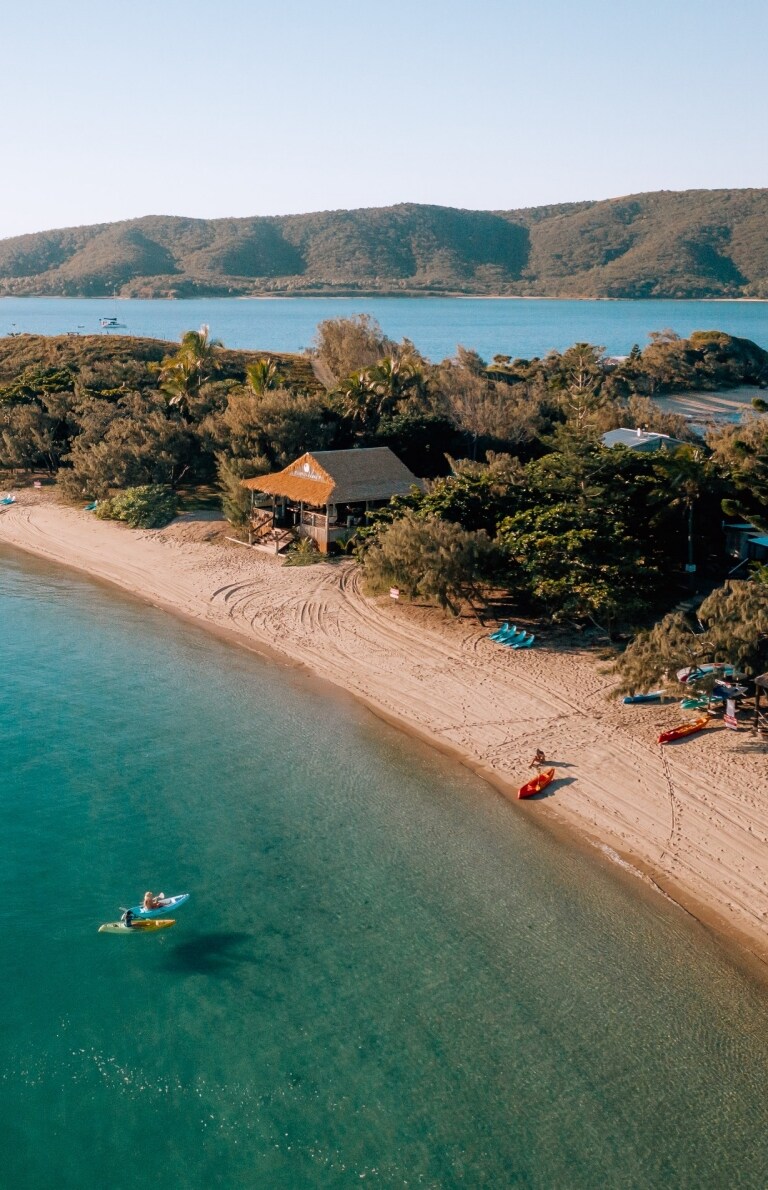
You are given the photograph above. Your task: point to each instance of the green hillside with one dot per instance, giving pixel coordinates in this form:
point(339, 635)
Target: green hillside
point(691, 244)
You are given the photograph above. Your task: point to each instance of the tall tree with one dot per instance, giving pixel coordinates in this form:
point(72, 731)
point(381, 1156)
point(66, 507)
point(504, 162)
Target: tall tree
point(430, 558)
point(346, 345)
point(183, 374)
point(684, 475)
point(743, 452)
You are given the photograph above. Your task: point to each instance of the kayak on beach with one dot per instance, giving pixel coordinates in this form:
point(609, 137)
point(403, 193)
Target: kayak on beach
point(537, 783)
point(683, 729)
point(144, 925)
point(165, 904)
point(652, 696)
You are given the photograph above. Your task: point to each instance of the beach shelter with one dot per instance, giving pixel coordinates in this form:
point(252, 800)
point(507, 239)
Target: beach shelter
point(326, 494)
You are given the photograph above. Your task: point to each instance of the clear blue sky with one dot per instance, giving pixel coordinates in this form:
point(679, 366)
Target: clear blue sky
point(121, 108)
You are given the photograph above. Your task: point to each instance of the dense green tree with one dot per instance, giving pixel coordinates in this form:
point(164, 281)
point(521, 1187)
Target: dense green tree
point(183, 374)
point(731, 628)
point(570, 562)
point(434, 559)
point(28, 438)
point(424, 441)
point(742, 451)
point(735, 617)
point(657, 654)
point(488, 410)
point(270, 429)
point(133, 442)
point(475, 495)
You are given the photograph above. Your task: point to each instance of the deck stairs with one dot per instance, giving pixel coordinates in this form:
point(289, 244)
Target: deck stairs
point(274, 541)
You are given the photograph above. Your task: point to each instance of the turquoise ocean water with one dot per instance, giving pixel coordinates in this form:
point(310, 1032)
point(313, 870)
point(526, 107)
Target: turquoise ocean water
point(436, 325)
point(387, 975)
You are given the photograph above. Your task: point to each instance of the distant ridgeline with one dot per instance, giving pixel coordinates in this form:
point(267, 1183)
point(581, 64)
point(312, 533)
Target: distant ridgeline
point(688, 244)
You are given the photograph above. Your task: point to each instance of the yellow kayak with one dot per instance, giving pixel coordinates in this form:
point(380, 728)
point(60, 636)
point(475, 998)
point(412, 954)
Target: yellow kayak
point(139, 926)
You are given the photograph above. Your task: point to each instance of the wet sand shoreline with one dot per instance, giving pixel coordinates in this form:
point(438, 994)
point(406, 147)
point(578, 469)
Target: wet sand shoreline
point(691, 820)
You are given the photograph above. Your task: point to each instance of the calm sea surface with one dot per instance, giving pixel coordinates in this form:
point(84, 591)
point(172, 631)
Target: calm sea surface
point(386, 973)
point(436, 325)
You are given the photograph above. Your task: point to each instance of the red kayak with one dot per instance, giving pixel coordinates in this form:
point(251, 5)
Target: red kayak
point(537, 783)
point(677, 733)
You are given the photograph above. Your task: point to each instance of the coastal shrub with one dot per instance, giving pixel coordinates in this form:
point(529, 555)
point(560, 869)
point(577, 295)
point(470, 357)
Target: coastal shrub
point(303, 552)
point(431, 558)
point(235, 499)
point(148, 507)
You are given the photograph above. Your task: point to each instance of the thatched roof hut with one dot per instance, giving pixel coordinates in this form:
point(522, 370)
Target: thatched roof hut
point(326, 493)
point(363, 475)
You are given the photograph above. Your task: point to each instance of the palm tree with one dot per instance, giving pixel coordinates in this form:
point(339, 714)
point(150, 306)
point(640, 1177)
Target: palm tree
point(684, 475)
point(183, 374)
point(263, 376)
point(356, 397)
point(395, 378)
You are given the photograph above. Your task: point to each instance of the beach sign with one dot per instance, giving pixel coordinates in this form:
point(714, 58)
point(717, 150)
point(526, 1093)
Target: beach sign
point(394, 592)
point(729, 718)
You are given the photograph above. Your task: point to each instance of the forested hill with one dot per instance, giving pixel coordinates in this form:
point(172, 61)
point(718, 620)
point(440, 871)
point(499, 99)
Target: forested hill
point(688, 244)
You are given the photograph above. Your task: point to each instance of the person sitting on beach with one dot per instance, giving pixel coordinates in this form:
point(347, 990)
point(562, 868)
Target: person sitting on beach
point(153, 902)
point(538, 759)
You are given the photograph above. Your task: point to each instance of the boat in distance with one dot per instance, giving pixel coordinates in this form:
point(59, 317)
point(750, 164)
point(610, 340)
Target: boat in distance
point(537, 783)
point(142, 926)
point(166, 904)
point(111, 324)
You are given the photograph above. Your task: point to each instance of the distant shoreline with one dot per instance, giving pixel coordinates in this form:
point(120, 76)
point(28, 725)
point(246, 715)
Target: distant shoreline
point(375, 294)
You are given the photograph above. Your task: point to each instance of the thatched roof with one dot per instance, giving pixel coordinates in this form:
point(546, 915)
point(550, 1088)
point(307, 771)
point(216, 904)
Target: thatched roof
point(339, 477)
point(762, 681)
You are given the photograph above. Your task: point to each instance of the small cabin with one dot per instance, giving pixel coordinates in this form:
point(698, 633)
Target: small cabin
point(640, 440)
point(325, 495)
point(745, 543)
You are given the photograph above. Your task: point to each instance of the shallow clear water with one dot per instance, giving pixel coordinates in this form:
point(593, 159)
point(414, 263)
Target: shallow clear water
point(436, 325)
point(385, 973)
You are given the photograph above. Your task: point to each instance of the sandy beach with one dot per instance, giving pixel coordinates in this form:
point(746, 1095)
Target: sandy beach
point(690, 819)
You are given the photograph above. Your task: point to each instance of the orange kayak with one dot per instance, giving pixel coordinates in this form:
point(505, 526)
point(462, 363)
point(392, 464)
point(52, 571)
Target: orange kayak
point(537, 783)
point(677, 733)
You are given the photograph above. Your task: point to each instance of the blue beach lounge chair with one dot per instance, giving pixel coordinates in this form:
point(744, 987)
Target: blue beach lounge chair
point(513, 637)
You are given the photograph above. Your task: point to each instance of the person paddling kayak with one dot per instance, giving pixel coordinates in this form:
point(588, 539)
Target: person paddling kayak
point(151, 901)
